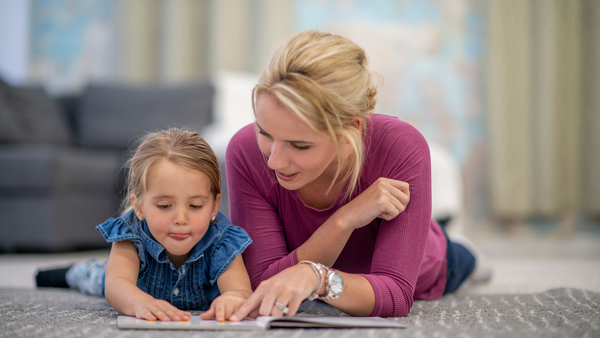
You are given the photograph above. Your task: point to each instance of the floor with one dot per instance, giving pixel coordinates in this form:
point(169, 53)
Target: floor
point(521, 265)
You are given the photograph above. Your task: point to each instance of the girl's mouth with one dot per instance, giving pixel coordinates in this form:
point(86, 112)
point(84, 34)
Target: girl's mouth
point(285, 177)
point(179, 237)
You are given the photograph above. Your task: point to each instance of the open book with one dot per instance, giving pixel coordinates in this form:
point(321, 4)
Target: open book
point(259, 324)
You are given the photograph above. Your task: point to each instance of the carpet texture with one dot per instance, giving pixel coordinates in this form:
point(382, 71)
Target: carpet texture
point(564, 312)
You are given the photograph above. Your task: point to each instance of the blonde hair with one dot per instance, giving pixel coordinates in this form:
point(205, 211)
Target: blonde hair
point(323, 78)
point(181, 147)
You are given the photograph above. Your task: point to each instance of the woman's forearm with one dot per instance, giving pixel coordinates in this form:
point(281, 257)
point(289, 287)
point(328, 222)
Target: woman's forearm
point(358, 297)
point(327, 242)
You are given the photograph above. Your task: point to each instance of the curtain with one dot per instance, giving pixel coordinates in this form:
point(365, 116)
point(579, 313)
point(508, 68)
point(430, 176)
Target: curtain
point(543, 93)
point(184, 40)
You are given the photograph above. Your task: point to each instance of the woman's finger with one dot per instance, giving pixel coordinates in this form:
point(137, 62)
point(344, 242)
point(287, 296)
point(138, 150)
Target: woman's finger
point(400, 185)
point(249, 305)
point(268, 303)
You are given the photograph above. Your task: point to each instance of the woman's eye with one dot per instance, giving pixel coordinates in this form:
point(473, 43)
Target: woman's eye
point(301, 147)
point(263, 133)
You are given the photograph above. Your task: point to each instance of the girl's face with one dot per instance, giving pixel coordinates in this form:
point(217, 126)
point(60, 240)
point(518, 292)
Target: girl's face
point(299, 155)
point(178, 207)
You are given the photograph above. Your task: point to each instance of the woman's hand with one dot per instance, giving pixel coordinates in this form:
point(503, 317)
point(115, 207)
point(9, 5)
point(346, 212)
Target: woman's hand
point(385, 198)
point(290, 288)
point(224, 306)
point(159, 309)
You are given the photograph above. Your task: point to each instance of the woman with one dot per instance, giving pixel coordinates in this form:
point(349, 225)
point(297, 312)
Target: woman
point(321, 185)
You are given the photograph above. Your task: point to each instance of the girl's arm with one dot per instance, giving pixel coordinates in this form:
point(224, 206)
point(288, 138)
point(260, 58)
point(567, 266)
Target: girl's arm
point(234, 285)
point(121, 289)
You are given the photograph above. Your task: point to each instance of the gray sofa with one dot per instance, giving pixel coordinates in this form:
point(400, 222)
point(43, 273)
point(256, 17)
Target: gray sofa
point(61, 160)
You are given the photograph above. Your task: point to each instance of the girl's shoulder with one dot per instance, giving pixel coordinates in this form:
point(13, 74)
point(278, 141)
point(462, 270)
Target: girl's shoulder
point(123, 228)
point(229, 242)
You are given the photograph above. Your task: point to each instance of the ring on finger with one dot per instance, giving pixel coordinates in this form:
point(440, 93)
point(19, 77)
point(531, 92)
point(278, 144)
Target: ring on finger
point(282, 307)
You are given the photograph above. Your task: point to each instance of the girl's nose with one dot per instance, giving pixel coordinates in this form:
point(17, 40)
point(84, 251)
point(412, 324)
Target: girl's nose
point(181, 217)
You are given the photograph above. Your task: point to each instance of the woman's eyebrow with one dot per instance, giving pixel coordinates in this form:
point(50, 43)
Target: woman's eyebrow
point(291, 141)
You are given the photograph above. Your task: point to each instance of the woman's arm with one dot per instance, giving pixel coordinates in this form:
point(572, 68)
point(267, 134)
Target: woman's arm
point(121, 290)
point(251, 208)
point(234, 286)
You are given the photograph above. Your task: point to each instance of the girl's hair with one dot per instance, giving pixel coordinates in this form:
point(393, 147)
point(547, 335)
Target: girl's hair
point(181, 147)
point(323, 78)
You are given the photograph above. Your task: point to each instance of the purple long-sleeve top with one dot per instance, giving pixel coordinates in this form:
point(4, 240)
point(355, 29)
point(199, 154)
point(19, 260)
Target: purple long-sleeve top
point(403, 259)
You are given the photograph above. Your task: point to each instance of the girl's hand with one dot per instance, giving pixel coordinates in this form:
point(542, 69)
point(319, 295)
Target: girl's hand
point(159, 309)
point(289, 287)
point(385, 198)
point(224, 306)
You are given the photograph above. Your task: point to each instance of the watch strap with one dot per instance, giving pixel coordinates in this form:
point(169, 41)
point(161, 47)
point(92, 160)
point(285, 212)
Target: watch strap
point(330, 295)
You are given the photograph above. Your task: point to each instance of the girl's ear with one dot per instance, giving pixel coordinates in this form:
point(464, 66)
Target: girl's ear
point(136, 207)
point(216, 206)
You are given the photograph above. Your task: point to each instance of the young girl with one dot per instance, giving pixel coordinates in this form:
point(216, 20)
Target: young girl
point(172, 249)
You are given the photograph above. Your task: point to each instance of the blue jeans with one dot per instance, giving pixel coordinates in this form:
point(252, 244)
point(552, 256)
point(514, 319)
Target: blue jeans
point(461, 263)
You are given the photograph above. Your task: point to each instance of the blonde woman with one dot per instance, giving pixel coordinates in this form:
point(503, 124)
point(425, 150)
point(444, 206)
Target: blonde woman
point(322, 186)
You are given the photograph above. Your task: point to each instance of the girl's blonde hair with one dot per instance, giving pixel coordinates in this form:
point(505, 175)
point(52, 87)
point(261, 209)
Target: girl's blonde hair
point(323, 78)
point(182, 147)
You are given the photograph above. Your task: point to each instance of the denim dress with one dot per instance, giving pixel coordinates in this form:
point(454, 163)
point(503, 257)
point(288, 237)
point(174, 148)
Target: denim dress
point(194, 285)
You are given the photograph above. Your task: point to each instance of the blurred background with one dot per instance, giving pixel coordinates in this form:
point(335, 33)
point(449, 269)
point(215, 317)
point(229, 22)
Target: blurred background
point(506, 91)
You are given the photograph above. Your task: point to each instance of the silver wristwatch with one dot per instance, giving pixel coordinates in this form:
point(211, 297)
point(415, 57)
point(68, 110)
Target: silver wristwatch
point(334, 284)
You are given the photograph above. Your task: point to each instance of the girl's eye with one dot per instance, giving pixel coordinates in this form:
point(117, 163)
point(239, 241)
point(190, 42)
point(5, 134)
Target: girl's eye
point(195, 206)
point(162, 206)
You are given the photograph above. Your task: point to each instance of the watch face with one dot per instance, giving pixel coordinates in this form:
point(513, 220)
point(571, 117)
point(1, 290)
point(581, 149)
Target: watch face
point(336, 283)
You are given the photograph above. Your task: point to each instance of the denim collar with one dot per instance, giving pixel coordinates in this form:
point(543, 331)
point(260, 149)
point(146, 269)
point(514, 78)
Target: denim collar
point(157, 251)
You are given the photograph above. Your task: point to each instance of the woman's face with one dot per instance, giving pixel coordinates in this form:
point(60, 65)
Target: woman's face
point(298, 154)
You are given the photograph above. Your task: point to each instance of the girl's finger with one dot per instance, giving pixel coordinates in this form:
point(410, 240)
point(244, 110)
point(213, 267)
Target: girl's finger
point(147, 315)
point(210, 314)
point(228, 311)
point(220, 312)
point(160, 314)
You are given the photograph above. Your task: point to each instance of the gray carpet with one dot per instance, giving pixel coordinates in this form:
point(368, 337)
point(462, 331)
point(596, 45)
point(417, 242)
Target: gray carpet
point(556, 313)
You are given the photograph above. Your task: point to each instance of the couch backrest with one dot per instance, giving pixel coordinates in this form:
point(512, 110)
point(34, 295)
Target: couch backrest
point(29, 115)
point(112, 116)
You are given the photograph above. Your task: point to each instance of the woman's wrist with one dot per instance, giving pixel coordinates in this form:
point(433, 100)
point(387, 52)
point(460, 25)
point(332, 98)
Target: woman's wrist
point(341, 222)
point(320, 286)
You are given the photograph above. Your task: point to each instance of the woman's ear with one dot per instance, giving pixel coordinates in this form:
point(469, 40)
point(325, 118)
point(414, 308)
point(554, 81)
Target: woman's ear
point(136, 207)
point(356, 123)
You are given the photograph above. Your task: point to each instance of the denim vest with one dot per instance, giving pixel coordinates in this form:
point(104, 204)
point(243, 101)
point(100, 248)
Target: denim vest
point(193, 286)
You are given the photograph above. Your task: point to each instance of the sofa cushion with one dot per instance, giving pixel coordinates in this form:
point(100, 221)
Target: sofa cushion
point(29, 115)
point(36, 168)
point(110, 116)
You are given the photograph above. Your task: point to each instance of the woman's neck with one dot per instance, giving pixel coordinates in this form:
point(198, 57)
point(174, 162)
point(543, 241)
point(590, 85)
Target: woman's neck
point(320, 194)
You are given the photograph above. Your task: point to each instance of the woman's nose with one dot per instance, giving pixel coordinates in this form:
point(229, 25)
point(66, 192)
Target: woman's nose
point(277, 158)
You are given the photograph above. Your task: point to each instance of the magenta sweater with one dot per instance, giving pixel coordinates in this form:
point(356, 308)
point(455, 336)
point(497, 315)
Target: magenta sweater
point(403, 259)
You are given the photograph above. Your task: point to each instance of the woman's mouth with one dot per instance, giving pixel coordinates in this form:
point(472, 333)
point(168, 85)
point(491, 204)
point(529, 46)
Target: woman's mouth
point(285, 177)
point(179, 237)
